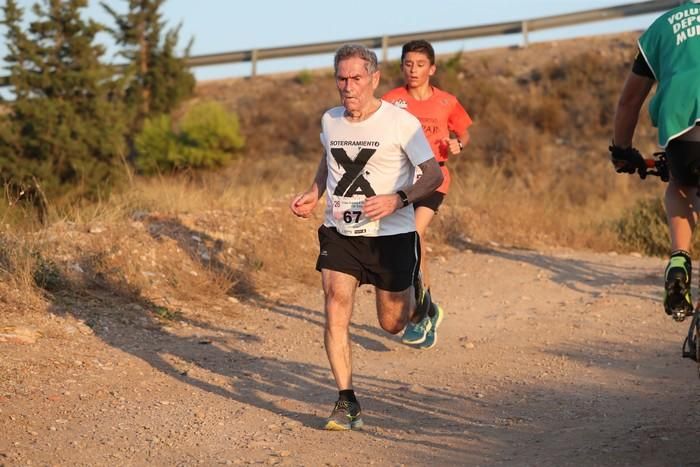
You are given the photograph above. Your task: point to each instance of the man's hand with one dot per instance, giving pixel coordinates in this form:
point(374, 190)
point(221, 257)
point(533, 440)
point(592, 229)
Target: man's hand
point(380, 206)
point(628, 160)
point(303, 204)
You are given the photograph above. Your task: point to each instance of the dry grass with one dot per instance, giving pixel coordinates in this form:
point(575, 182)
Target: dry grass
point(17, 261)
point(181, 238)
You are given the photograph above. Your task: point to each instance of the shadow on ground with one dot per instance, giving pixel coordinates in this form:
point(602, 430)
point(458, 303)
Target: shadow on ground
point(427, 421)
point(576, 274)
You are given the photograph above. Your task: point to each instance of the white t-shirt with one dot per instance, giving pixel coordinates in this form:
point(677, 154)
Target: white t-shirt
point(376, 156)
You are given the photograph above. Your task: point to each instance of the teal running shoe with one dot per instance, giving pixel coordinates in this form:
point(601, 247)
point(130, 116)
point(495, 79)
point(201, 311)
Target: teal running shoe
point(415, 333)
point(431, 336)
point(345, 416)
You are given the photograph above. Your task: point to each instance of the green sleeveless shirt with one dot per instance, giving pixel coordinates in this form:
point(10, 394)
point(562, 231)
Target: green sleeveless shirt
point(671, 48)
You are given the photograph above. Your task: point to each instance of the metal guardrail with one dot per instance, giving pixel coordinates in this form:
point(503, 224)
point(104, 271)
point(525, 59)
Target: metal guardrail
point(384, 42)
point(523, 27)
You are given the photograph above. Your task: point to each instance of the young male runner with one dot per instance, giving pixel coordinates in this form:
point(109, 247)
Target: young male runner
point(440, 114)
point(368, 235)
point(669, 55)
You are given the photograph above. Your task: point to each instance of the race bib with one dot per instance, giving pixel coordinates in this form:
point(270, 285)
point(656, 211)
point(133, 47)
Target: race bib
point(349, 219)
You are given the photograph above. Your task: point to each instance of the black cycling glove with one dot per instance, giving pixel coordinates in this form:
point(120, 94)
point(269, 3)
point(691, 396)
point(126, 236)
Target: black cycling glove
point(628, 160)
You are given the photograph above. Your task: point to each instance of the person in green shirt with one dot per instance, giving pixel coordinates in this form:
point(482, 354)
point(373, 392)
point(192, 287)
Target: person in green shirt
point(669, 56)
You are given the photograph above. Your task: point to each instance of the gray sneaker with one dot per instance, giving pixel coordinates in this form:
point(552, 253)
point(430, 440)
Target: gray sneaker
point(345, 416)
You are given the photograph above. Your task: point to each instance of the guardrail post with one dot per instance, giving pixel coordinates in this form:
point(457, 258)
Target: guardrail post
point(253, 63)
point(526, 39)
point(385, 49)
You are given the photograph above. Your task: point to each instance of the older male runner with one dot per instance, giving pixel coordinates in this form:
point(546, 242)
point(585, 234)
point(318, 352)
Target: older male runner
point(368, 236)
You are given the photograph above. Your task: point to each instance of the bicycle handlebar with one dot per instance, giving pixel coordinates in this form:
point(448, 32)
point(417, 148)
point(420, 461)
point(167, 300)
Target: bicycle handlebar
point(657, 167)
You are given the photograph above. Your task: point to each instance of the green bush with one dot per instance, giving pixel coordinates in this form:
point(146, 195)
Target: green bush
point(644, 229)
point(208, 125)
point(207, 136)
point(156, 145)
point(304, 77)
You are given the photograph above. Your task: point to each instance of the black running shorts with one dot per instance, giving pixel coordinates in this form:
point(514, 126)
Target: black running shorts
point(684, 161)
point(432, 202)
point(389, 262)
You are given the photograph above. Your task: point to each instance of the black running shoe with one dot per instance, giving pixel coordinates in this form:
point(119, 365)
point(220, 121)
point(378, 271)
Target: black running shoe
point(677, 299)
point(345, 416)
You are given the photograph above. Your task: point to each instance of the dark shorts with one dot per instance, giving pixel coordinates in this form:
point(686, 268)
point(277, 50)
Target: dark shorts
point(390, 262)
point(432, 202)
point(684, 161)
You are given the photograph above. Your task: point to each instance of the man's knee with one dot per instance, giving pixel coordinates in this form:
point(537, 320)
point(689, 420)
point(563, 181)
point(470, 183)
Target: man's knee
point(337, 298)
point(394, 322)
point(338, 309)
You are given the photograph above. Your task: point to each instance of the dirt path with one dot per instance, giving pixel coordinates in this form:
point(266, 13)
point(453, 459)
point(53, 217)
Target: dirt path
point(557, 358)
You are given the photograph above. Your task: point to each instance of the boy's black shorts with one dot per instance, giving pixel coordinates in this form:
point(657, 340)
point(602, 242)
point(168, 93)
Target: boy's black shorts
point(433, 201)
point(390, 262)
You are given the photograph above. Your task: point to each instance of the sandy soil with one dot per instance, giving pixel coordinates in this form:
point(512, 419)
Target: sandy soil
point(545, 358)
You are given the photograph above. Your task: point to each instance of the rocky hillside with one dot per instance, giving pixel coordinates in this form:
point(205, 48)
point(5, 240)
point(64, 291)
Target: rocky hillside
point(535, 173)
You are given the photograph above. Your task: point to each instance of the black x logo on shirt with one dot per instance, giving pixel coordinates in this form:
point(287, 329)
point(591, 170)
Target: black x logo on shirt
point(353, 181)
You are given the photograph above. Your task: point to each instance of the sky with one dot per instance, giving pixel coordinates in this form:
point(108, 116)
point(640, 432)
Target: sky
point(232, 25)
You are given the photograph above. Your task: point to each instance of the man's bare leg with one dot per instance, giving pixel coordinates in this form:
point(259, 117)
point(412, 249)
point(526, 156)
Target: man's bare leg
point(394, 309)
point(339, 289)
point(680, 204)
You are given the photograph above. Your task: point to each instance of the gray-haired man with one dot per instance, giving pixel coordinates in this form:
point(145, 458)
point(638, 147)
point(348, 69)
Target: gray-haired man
point(368, 236)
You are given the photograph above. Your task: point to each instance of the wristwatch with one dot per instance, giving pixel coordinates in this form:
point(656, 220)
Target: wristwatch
point(404, 198)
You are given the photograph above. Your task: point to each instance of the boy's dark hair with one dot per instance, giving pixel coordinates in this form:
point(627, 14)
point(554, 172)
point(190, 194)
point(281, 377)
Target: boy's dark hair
point(420, 46)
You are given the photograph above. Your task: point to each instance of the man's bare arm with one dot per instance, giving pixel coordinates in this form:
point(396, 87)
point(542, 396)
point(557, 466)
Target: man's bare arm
point(321, 176)
point(304, 203)
point(634, 92)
